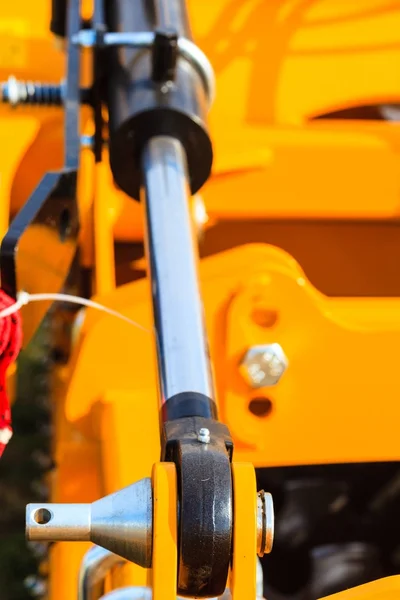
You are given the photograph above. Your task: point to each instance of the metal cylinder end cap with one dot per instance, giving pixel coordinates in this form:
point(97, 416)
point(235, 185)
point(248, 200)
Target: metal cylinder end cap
point(265, 523)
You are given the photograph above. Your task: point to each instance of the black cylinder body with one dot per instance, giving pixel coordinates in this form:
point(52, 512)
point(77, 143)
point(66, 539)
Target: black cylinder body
point(140, 108)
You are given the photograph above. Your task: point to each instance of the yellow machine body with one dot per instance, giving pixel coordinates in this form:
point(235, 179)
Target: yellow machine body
point(300, 245)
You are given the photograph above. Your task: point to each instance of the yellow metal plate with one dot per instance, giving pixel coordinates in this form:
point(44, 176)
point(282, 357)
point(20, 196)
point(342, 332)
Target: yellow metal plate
point(165, 531)
point(244, 559)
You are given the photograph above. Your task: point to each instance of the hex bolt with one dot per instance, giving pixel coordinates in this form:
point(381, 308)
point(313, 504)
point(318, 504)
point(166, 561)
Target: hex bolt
point(16, 92)
point(263, 366)
point(265, 523)
point(204, 435)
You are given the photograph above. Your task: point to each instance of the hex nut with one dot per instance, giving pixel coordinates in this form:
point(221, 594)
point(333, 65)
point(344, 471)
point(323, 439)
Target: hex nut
point(264, 365)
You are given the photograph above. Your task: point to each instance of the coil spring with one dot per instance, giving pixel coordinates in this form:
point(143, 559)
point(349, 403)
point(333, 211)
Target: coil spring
point(16, 92)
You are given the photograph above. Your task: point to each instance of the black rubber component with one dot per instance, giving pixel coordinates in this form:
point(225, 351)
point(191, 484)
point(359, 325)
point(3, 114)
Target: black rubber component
point(140, 108)
point(98, 24)
point(165, 55)
point(188, 404)
point(58, 23)
point(205, 504)
point(130, 139)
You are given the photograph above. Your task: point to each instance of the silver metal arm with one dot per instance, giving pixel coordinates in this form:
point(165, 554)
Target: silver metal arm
point(184, 363)
point(95, 566)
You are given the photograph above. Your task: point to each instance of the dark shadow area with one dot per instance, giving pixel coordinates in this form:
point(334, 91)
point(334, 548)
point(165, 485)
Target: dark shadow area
point(23, 467)
point(336, 527)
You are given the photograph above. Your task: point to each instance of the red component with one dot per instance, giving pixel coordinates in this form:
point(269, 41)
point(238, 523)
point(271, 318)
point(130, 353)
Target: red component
point(10, 345)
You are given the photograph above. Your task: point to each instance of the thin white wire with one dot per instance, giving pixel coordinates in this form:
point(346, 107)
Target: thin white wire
point(24, 298)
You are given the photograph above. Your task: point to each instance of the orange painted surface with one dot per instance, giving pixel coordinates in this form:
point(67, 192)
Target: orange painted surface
point(331, 344)
point(244, 559)
point(278, 64)
point(387, 588)
point(165, 539)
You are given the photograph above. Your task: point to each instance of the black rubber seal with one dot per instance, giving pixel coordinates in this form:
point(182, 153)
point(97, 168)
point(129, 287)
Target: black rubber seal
point(128, 142)
point(188, 404)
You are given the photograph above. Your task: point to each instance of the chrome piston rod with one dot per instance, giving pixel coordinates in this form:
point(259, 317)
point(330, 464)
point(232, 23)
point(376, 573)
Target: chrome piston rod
point(182, 348)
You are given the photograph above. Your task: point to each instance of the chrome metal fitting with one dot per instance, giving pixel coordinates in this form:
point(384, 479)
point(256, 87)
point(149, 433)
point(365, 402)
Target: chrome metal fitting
point(263, 366)
point(120, 522)
point(265, 523)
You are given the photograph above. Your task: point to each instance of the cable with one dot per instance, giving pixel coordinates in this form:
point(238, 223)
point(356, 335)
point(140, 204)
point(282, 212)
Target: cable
point(24, 298)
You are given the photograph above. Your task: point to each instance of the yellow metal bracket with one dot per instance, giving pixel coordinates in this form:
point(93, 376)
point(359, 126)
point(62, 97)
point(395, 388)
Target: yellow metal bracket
point(244, 557)
point(165, 531)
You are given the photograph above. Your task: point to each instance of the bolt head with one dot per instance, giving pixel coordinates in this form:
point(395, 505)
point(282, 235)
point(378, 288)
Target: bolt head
point(204, 435)
point(264, 365)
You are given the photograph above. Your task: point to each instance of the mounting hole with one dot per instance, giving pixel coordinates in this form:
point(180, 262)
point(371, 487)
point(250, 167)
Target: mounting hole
point(260, 407)
point(264, 317)
point(64, 224)
point(42, 516)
